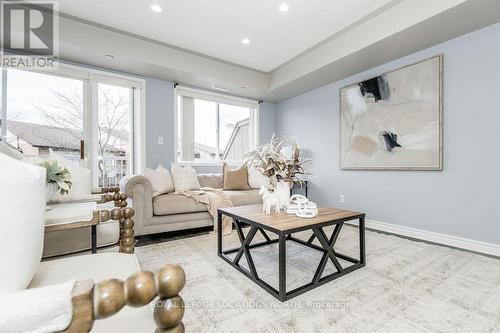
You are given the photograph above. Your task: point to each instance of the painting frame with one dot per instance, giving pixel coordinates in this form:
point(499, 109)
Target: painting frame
point(439, 166)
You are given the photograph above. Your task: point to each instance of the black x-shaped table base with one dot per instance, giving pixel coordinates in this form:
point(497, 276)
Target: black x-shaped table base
point(326, 247)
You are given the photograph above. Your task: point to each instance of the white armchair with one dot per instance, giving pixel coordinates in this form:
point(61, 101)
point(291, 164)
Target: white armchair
point(60, 295)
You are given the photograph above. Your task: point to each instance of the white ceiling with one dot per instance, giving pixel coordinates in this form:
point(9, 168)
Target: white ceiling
point(216, 27)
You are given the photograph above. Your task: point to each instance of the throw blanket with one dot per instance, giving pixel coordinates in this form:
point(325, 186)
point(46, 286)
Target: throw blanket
point(214, 199)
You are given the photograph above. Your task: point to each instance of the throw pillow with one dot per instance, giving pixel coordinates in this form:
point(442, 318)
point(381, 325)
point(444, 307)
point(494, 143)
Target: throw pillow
point(256, 178)
point(160, 179)
point(236, 179)
point(184, 178)
point(80, 178)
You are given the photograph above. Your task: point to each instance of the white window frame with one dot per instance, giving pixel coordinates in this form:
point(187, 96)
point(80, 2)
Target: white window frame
point(91, 78)
point(218, 98)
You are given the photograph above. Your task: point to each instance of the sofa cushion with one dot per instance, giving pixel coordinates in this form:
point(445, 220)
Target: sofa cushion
point(244, 197)
point(213, 180)
point(168, 204)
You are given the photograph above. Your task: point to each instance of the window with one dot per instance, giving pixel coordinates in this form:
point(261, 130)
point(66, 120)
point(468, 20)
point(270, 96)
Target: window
point(67, 109)
point(44, 112)
point(114, 133)
point(213, 127)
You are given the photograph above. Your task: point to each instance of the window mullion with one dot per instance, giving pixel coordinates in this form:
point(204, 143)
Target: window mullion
point(3, 106)
point(93, 131)
point(217, 131)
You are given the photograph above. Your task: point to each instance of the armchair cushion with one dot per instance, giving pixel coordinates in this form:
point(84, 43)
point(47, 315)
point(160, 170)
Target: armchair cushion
point(98, 267)
point(22, 205)
point(39, 310)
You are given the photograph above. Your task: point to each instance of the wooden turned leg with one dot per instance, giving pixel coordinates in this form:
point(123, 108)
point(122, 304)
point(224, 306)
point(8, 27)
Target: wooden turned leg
point(140, 289)
point(177, 329)
point(168, 315)
point(100, 301)
point(169, 309)
point(127, 241)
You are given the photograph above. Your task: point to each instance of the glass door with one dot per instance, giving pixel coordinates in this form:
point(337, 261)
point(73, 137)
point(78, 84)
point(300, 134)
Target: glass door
point(114, 133)
point(43, 112)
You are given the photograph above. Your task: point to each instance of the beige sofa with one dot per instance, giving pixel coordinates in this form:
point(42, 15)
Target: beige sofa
point(171, 212)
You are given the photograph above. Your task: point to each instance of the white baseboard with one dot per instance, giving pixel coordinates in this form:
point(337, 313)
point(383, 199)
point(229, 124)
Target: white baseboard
point(458, 242)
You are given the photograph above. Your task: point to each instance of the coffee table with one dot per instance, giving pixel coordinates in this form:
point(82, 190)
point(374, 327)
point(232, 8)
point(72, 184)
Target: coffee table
point(284, 226)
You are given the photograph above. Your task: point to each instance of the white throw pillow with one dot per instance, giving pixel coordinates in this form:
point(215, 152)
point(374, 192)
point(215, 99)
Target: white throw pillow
point(256, 178)
point(80, 178)
point(22, 221)
point(160, 179)
point(184, 178)
point(9, 151)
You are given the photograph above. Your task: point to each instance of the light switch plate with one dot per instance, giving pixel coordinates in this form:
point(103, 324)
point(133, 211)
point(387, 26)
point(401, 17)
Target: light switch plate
point(161, 140)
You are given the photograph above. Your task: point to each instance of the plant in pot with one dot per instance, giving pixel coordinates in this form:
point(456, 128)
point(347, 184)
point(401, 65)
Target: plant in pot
point(281, 161)
point(57, 179)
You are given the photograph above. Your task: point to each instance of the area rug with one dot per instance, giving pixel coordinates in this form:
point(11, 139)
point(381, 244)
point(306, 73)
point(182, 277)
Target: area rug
point(407, 286)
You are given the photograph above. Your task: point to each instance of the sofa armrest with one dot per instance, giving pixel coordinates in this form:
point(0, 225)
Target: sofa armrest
point(128, 184)
point(106, 298)
point(140, 190)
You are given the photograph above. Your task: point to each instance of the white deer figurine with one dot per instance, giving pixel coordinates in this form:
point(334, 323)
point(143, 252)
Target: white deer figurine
point(269, 199)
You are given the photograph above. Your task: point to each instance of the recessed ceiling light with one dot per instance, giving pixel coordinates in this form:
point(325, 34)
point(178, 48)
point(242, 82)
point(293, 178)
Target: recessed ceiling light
point(245, 41)
point(156, 8)
point(284, 7)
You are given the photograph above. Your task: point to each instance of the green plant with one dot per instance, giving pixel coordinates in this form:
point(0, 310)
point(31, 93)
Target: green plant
point(57, 175)
point(270, 159)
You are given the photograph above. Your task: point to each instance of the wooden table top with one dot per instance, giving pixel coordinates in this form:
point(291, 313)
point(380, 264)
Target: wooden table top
point(285, 223)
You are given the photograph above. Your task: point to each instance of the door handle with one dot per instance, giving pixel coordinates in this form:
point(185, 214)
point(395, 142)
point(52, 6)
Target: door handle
point(82, 150)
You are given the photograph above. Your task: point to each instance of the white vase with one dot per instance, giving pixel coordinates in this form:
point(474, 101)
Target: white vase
point(50, 191)
point(283, 190)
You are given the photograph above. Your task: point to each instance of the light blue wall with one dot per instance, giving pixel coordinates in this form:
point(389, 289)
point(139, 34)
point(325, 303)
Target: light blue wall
point(159, 122)
point(461, 200)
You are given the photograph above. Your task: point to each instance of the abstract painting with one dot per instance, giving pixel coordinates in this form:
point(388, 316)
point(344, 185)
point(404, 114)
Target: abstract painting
point(394, 121)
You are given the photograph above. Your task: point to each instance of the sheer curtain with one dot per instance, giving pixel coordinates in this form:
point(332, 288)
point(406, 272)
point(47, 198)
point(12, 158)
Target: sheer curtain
point(187, 128)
